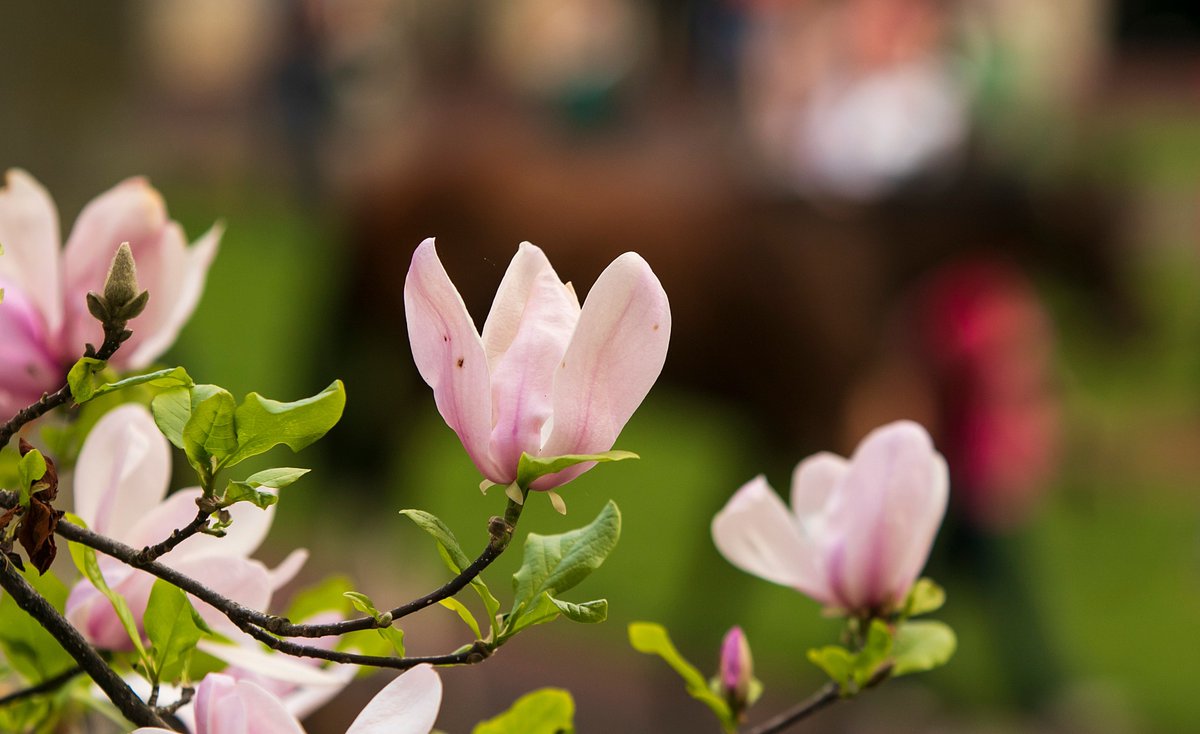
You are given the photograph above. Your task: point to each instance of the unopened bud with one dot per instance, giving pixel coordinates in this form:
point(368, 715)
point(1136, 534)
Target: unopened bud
point(121, 293)
point(737, 671)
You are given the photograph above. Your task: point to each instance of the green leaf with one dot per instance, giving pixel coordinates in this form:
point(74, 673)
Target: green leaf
point(173, 627)
point(925, 597)
point(652, 639)
point(874, 654)
point(464, 614)
point(837, 662)
point(263, 424)
point(589, 612)
point(922, 646)
point(84, 378)
point(249, 490)
point(30, 468)
point(453, 555)
point(171, 410)
point(85, 560)
point(25, 644)
point(393, 635)
point(209, 432)
point(545, 711)
point(532, 468)
point(556, 563)
point(541, 611)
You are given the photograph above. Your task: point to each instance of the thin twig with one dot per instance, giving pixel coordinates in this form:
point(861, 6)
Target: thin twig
point(36, 606)
point(177, 536)
point(113, 338)
point(50, 685)
point(827, 696)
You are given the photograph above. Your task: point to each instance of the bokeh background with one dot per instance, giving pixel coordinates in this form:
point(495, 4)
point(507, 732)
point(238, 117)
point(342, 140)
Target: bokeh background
point(977, 213)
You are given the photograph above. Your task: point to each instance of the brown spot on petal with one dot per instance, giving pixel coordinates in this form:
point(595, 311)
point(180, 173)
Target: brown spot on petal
point(460, 361)
point(656, 327)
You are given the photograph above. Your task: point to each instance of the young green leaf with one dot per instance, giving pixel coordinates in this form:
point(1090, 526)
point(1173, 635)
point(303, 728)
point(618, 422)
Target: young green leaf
point(464, 614)
point(171, 410)
point(263, 424)
point(542, 610)
point(532, 468)
point(393, 635)
point(922, 646)
point(556, 563)
point(173, 627)
point(209, 432)
point(546, 711)
point(30, 468)
point(925, 597)
point(652, 639)
point(452, 553)
point(85, 560)
point(837, 662)
point(86, 383)
point(589, 612)
point(84, 378)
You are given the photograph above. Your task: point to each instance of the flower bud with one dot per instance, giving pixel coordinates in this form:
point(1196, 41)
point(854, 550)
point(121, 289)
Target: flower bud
point(737, 670)
point(121, 293)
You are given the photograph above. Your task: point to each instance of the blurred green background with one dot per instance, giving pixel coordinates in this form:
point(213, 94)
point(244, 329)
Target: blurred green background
point(1062, 146)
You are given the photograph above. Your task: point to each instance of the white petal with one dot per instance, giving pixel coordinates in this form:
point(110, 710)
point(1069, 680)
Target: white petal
point(407, 705)
point(122, 472)
point(886, 514)
point(615, 355)
point(756, 533)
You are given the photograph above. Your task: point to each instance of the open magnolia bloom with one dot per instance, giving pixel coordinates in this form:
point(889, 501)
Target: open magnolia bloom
point(546, 377)
point(44, 323)
point(859, 530)
point(120, 490)
point(407, 705)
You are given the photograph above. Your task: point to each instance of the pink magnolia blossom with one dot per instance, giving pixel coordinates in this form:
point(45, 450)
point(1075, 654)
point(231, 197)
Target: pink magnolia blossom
point(44, 321)
point(120, 490)
point(223, 705)
point(858, 532)
point(546, 377)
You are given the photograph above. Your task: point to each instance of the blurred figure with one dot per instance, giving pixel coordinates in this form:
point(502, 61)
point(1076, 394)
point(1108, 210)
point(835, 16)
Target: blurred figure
point(853, 99)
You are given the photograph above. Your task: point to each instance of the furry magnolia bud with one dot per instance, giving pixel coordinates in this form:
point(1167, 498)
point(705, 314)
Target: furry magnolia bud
point(121, 292)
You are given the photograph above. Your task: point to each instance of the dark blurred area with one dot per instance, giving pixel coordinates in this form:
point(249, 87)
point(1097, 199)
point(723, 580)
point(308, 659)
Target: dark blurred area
point(980, 214)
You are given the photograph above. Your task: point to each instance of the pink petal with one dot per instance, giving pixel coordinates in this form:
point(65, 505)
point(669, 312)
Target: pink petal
point(407, 705)
point(246, 582)
point(756, 533)
point(886, 515)
point(615, 355)
point(276, 666)
point(29, 235)
point(28, 366)
point(219, 708)
point(813, 481)
point(450, 357)
point(526, 335)
point(122, 472)
point(175, 282)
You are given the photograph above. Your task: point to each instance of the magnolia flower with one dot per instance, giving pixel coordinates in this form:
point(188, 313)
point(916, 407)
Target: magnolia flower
point(44, 321)
point(407, 705)
point(859, 531)
point(120, 483)
point(546, 377)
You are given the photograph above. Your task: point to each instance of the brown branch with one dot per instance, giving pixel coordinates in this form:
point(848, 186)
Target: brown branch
point(36, 606)
point(177, 536)
point(113, 338)
point(828, 695)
